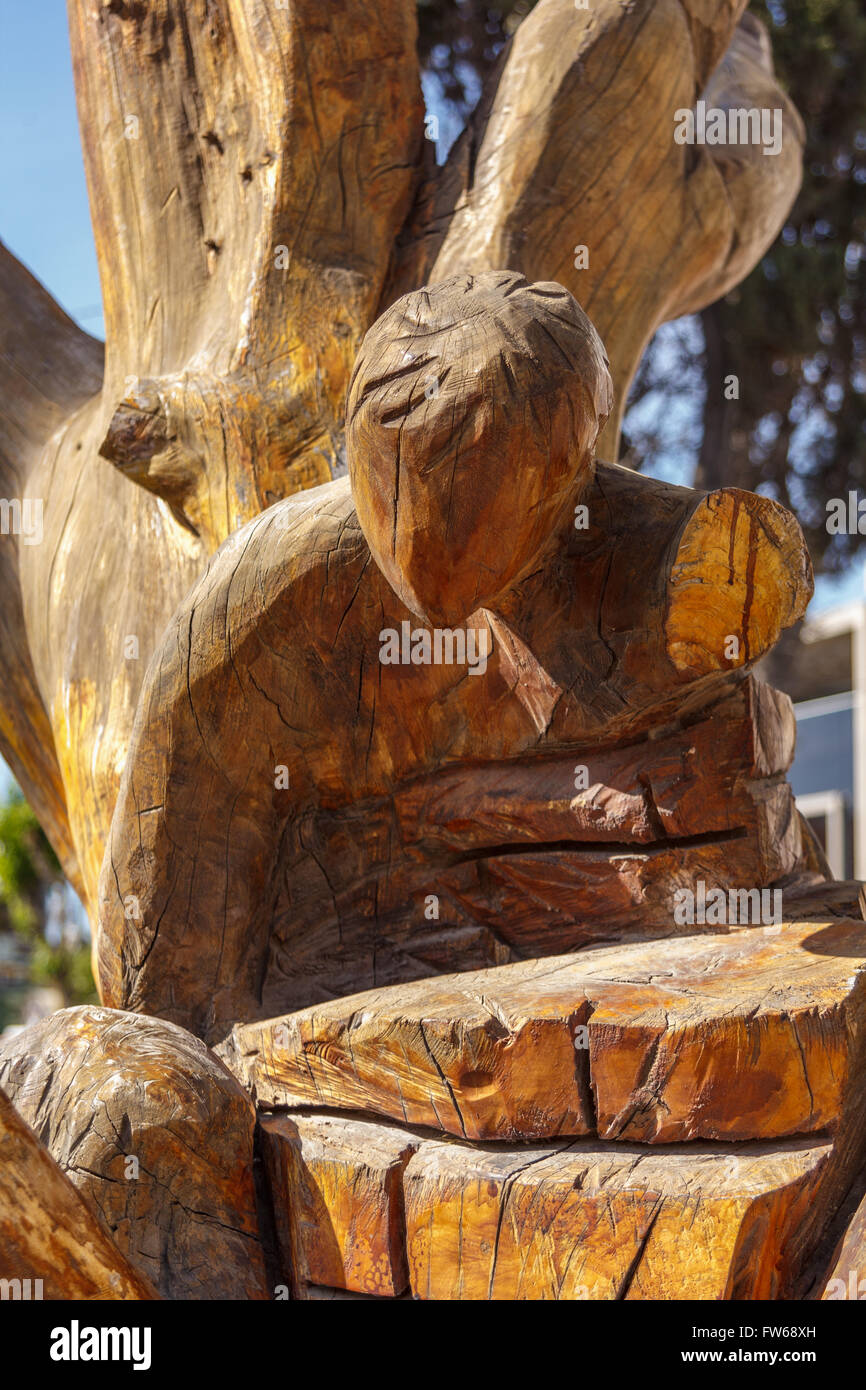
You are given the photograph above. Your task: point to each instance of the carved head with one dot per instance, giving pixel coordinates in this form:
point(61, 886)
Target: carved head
point(473, 412)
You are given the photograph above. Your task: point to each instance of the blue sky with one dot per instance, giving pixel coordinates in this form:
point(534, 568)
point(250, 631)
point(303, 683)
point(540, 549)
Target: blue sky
point(44, 216)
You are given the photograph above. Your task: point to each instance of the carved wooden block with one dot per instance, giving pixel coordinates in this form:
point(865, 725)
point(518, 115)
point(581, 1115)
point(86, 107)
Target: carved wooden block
point(598, 1221)
point(750, 1035)
point(578, 1220)
point(336, 1185)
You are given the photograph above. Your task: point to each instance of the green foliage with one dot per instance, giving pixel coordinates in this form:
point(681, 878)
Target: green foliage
point(27, 863)
point(28, 868)
point(68, 967)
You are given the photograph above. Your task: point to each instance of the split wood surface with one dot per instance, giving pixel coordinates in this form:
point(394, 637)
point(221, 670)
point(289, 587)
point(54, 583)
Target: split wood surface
point(378, 1209)
point(752, 1035)
point(156, 1136)
point(48, 1232)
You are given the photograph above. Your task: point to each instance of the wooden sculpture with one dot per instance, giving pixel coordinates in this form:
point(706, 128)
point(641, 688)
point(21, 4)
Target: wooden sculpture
point(389, 729)
point(621, 647)
point(271, 196)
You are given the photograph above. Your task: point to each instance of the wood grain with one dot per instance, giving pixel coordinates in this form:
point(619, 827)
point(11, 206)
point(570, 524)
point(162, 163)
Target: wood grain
point(448, 387)
point(846, 1278)
point(257, 890)
point(266, 817)
point(156, 1136)
point(248, 172)
point(336, 1184)
point(595, 1221)
point(251, 182)
point(746, 1036)
point(47, 1230)
point(579, 1220)
point(536, 175)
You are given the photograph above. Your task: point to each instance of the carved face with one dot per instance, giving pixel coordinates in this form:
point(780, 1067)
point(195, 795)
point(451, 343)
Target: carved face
point(473, 413)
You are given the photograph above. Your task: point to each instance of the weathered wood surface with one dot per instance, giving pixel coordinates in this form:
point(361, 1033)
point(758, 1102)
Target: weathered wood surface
point(840, 898)
point(598, 1221)
point(250, 177)
point(574, 127)
point(337, 1192)
point(567, 1220)
point(48, 370)
point(751, 1035)
point(278, 830)
point(47, 1230)
point(298, 821)
point(157, 1137)
point(259, 128)
point(846, 1279)
point(429, 437)
point(249, 171)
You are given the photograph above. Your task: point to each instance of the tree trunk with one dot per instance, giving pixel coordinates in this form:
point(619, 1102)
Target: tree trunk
point(232, 708)
point(258, 193)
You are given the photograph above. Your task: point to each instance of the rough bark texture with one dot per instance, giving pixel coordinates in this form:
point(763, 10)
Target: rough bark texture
point(47, 1230)
point(156, 1135)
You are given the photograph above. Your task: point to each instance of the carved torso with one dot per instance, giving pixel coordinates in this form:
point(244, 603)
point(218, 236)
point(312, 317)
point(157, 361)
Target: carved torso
point(407, 781)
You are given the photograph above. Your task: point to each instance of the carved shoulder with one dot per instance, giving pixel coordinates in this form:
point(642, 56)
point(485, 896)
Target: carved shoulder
point(741, 574)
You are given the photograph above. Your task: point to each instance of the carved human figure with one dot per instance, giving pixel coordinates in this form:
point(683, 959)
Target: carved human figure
point(300, 819)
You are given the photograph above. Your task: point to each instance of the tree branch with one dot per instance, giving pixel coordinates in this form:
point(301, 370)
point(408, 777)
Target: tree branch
point(249, 167)
point(541, 173)
point(48, 368)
